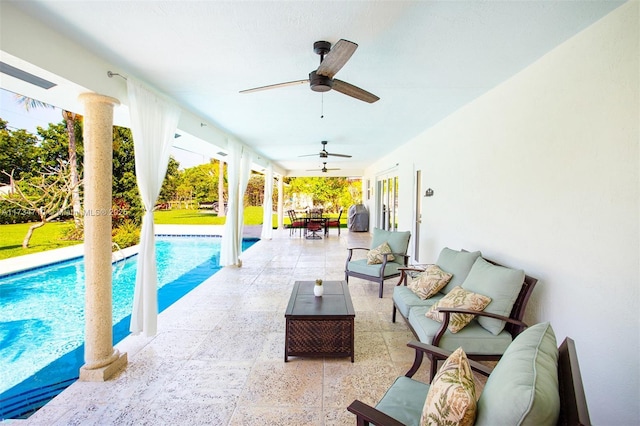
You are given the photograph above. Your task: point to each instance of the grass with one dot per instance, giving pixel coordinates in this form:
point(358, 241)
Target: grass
point(252, 216)
point(48, 237)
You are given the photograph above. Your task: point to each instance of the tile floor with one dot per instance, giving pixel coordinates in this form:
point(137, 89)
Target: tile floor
point(218, 357)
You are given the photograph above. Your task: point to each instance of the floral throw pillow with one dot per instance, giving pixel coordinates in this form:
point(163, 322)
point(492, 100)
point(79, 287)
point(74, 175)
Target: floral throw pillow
point(429, 282)
point(459, 298)
point(452, 396)
point(375, 257)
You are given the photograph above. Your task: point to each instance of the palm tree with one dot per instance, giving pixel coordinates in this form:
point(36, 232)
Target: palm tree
point(70, 120)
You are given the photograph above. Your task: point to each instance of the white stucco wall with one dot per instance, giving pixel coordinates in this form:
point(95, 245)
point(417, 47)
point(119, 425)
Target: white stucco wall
point(542, 173)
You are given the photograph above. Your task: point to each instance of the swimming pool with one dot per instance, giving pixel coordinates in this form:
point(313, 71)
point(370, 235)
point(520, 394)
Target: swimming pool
point(42, 315)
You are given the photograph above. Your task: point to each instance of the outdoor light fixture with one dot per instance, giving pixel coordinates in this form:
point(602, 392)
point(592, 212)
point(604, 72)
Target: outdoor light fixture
point(428, 193)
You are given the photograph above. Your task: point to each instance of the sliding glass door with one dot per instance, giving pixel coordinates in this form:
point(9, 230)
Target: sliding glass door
point(387, 203)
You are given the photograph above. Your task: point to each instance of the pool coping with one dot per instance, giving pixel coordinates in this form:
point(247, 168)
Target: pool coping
point(18, 264)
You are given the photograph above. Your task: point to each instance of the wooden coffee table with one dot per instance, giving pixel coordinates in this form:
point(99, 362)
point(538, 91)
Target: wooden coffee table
point(319, 326)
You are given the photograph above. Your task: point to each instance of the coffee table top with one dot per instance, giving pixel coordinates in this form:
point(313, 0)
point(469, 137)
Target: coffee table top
point(335, 302)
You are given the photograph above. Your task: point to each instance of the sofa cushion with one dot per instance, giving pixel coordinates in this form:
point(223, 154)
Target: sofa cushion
point(458, 263)
point(473, 338)
point(374, 256)
point(458, 298)
point(405, 299)
point(398, 241)
point(404, 400)
point(429, 282)
point(452, 396)
point(527, 377)
point(501, 284)
point(360, 266)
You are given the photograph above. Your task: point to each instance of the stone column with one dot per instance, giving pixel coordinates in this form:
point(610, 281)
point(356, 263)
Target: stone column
point(101, 359)
point(280, 202)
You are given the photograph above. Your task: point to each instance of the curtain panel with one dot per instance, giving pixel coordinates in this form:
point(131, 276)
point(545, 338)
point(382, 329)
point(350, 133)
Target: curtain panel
point(267, 205)
point(153, 125)
point(238, 171)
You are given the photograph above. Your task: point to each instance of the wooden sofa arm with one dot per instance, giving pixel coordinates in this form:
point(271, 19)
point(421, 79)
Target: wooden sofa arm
point(367, 415)
point(446, 313)
point(436, 353)
point(404, 273)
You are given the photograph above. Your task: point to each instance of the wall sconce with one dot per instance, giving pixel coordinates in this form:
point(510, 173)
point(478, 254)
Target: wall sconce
point(429, 193)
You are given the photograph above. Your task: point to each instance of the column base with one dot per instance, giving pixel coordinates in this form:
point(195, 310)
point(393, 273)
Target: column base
point(104, 373)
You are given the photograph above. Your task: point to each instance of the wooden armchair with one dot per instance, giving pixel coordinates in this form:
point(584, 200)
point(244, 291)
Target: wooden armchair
point(390, 267)
point(523, 388)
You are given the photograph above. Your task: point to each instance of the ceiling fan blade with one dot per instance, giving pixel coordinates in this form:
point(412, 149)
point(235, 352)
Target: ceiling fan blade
point(353, 91)
point(275, 86)
point(308, 155)
point(339, 155)
point(336, 58)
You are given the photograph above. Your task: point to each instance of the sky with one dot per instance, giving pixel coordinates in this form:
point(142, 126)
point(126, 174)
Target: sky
point(19, 118)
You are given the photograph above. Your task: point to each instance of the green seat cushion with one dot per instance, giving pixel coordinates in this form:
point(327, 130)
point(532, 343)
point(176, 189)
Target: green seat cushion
point(398, 241)
point(523, 387)
point(404, 400)
point(405, 299)
point(458, 263)
point(360, 266)
point(473, 338)
point(499, 283)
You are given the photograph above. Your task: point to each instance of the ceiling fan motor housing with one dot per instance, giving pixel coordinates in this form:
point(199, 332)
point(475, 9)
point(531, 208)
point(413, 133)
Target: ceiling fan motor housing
point(320, 83)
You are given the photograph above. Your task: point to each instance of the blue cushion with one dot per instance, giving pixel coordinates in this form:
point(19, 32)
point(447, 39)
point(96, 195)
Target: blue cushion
point(473, 339)
point(523, 388)
point(398, 241)
point(404, 400)
point(458, 263)
point(501, 284)
point(405, 299)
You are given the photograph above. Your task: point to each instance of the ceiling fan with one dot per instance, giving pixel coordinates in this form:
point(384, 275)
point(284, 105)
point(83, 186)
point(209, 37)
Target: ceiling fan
point(325, 154)
point(321, 80)
point(324, 168)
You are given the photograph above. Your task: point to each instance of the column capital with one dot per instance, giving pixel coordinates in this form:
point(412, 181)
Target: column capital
point(93, 98)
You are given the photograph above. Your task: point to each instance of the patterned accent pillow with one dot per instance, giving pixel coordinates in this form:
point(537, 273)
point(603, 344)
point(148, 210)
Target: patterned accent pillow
point(429, 282)
point(459, 298)
point(452, 396)
point(375, 257)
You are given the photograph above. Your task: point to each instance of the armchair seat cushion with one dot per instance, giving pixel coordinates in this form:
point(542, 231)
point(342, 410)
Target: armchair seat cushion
point(473, 339)
point(361, 266)
point(404, 400)
point(405, 299)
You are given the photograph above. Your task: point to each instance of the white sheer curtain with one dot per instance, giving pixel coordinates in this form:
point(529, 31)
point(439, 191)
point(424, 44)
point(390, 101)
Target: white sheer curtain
point(267, 205)
point(238, 170)
point(153, 125)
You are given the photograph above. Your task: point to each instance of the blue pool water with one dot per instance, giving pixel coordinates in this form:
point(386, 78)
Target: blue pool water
point(42, 316)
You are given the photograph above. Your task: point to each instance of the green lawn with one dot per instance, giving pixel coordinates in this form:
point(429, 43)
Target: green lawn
point(45, 238)
point(252, 216)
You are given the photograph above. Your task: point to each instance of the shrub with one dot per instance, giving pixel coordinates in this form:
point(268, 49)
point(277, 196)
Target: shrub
point(127, 234)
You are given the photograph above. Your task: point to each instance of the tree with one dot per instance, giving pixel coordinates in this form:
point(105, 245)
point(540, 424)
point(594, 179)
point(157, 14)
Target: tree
point(124, 186)
point(331, 192)
point(70, 122)
point(18, 152)
point(172, 180)
point(47, 195)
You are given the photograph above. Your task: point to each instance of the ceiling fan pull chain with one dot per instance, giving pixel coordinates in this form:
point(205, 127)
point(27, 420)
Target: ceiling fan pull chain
point(322, 106)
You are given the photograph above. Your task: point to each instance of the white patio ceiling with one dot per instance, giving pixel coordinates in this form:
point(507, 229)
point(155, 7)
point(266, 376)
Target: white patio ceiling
point(424, 59)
